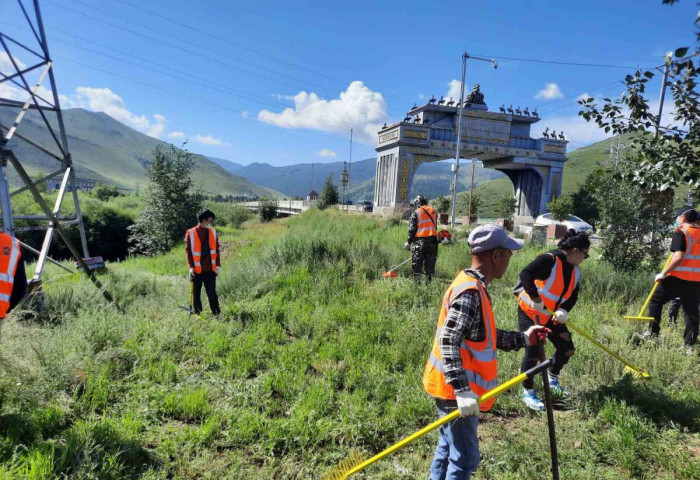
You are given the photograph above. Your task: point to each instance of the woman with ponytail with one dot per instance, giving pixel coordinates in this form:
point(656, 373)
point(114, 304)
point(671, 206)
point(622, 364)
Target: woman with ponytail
point(551, 282)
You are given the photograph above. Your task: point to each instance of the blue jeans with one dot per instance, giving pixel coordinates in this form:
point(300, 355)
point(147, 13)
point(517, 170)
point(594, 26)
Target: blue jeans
point(457, 453)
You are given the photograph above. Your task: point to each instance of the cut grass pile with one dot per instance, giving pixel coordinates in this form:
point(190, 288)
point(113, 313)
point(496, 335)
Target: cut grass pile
point(315, 358)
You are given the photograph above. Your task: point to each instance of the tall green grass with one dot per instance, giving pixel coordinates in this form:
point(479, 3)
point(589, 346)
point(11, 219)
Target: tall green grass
point(315, 357)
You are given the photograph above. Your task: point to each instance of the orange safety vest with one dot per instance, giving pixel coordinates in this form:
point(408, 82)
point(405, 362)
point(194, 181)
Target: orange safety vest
point(9, 258)
point(196, 247)
point(426, 222)
point(689, 268)
point(479, 359)
point(551, 292)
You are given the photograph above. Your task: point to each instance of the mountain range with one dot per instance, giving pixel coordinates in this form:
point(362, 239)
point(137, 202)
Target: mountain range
point(431, 179)
point(106, 150)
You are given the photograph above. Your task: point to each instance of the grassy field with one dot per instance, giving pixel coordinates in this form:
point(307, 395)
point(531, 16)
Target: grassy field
point(315, 358)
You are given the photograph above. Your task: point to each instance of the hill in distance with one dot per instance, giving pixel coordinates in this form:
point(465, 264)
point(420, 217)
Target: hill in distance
point(106, 150)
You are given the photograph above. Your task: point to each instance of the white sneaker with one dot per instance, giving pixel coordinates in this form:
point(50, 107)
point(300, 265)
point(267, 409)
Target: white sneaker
point(530, 399)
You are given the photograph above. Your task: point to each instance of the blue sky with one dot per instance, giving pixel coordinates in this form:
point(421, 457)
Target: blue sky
point(283, 82)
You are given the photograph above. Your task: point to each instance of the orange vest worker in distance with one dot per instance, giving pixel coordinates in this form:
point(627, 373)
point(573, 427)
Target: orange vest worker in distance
point(422, 239)
point(204, 261)
point(462, 364)
point(13, 278)
point(681, 278)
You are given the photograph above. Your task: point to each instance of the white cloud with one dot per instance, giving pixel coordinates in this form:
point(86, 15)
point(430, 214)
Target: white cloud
point(357, 107)
point(455, 87)
point(327, 153)
point(585, 95)
point(105, 100)
point(550, 91)
point(578, 131)
point(6, 65)
point(245, 114)
point(209, 140)
point(176, 135)
point(286, 98)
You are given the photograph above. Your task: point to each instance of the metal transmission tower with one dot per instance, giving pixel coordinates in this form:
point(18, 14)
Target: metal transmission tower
point(29, 90)
point(616, 149)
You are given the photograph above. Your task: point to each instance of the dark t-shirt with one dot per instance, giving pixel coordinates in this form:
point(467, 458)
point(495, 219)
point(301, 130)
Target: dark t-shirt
point(678, 241)
point(540, 269)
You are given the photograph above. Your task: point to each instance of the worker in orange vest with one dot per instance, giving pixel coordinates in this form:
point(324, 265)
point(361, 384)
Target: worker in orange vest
point(681, 278)
point(13, 278)
point(204, 260)
point(551, 281)
point(422, 239)
point(463, 362)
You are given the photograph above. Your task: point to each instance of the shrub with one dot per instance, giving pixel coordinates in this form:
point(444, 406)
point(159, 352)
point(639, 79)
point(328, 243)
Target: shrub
point(268, 210)
point(230, 215)
point(506, 207)
point(463, 204)
point(104, 192)
point(561, 207)
point(442, 204)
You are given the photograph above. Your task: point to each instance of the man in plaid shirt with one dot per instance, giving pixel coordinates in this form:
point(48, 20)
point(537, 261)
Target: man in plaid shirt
point(463, 362)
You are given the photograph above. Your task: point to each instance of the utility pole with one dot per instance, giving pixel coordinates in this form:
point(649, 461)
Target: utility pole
point(664, 81)
point(455, 166)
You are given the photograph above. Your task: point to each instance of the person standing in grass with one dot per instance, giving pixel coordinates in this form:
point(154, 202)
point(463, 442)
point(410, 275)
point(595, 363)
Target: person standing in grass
point(422, 239)
point(13, 278)
point(551, 281)
point(204, 260)
point(681, 278)
point(463, 362)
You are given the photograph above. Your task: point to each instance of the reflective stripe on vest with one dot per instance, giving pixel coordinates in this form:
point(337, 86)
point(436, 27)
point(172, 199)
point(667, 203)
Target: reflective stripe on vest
point(551, 291)
point(426, 222)
point(479, 359)
point(689, 268)
point(9, 258)
point(196, 248)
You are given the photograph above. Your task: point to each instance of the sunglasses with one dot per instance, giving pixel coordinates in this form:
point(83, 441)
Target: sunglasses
point(585, 254)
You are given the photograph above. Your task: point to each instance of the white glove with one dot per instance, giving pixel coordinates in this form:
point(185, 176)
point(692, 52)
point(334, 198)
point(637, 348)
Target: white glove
point(561, 316)
point(467, 403)
point(218, 270)
point(406, 246)
point(539, 306)
point(659, 277)
point(191, 272)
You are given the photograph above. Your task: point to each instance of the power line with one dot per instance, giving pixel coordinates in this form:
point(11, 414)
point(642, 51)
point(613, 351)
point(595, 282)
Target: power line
point(305, 83)
point(172, 92)
point(557, 62)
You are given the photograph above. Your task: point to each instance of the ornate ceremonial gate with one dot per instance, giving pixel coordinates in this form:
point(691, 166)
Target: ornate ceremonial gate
point(499, 140)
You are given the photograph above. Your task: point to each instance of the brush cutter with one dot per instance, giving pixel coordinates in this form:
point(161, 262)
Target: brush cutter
point(355, 463)
point(550, 420)
point(629, 368)
point(391, 273)
point(640, 318)
point(190, 309)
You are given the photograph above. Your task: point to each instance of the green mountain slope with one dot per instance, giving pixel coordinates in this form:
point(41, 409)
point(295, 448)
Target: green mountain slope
point(107, 150)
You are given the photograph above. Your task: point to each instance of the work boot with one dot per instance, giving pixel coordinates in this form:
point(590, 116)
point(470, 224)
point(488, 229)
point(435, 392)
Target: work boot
point(530, 399)
point(554, 386)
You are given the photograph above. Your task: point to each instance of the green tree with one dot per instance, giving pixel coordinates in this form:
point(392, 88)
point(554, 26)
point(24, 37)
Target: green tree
point(442, 204)
point(585, 202)
point(171, 203)
point(268, 210)
point(561, 207)
point(104, 192)
point(329, 194)
point(669, 158)
point(506, 207)
point(463, 204)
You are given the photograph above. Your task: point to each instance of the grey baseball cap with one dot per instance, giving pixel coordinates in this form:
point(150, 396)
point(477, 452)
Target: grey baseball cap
point(487, 237)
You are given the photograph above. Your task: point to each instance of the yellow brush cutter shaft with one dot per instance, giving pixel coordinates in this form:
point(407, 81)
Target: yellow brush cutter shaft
point(447, 418)
point(646, 304)
point(606, 349)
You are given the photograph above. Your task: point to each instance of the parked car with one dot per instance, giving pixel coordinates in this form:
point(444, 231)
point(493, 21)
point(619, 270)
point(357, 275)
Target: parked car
point(365, 206)
point(571, 221)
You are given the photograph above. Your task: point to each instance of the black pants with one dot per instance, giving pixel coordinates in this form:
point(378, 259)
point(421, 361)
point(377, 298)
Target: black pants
point(209, 281)
point(424, 253)
point(560, 338)
point(689, 293)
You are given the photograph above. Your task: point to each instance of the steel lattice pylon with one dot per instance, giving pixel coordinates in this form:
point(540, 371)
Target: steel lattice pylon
point(27, 83)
